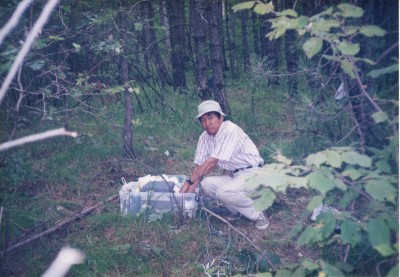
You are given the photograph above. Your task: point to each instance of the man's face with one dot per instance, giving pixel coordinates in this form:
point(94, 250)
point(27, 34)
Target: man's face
point(211, 123)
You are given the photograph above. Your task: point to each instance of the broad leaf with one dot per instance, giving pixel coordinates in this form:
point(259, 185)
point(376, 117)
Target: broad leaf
point(349, 10)
point(287, 12)
point(310, 265)
point(378, 72)
point(243, 6)
point(372, 30)
point(352, 157)
point(350, 233)
point(309, 236)
point(265, 200)
point(380, 117)
point(315, 202)
point(320, 182)
point(325, 25)
point(347, 48)
point(326, 223)
point(347, 68)
point(312, 47)
point(330, 270)
point(381, 190)
point(379, 237)
point(333, 158)
point(295, 230)
point(262, 8)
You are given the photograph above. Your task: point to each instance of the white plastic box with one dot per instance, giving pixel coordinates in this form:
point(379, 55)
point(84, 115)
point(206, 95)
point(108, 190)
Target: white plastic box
point(133, 201)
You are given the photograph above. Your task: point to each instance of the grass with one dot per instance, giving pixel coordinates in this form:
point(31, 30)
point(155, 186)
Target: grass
point(42, 181)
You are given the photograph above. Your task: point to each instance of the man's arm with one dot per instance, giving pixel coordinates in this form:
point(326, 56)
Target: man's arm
point(197, 173)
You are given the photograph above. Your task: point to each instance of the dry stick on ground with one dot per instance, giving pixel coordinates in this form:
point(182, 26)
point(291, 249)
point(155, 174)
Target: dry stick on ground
point(61, 224)
point(244, 236)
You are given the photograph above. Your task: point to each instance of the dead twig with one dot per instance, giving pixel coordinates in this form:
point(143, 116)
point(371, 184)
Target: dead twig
point(36, 137)
point(86, 211)
point(244, 236)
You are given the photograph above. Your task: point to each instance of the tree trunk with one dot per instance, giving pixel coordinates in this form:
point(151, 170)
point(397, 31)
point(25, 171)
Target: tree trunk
point(176, 9)
point(230, 29)
point(200, 48)
point(291, 55)
point(154, 49)
point(245, 40)
point(127, 128)
point(216, 57)
point(256, 34)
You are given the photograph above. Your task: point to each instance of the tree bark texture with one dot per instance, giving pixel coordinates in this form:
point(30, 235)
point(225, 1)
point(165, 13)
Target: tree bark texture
point(216, 57)
point(244, 15)
point(291, 55)
point(127, 128)
point(177, 34)
point(200, 49)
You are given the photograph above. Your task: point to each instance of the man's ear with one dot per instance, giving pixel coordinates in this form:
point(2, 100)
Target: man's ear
point(221, 118)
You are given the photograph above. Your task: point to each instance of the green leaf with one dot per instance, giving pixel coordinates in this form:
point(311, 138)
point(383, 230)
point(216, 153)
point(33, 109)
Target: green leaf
point(36, 65)
point(347, 68)
point(348, 48)
point(380, 117)
point(384, 166)
point(315, 202)
point(310, 265)
point(378, 72)
point(316, 159)
point(295, 230)
point(349, 10)
point(379, 237)
point(312, 46)
point(309, 236)
point(352, 157)
point(243, 6)
point(265, 200)
point(353, 173)
point(303, 20)
point(381, 190)
point(326, 223)
point(330, 270)
point(262, 8)
point(325, 25)
point(289, 12)
point(372, 30)
point(350, 233)
point(333, 158)
point(320, 182)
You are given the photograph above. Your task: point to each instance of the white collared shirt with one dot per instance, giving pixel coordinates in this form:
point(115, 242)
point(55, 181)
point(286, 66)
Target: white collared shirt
point(231, 146)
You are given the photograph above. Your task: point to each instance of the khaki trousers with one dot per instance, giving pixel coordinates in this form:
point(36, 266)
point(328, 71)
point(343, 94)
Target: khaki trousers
point(232, 191)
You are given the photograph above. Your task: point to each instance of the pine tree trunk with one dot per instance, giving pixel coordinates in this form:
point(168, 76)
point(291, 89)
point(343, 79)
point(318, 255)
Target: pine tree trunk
point(175, 11)
point(216, 57)
point(291, 55)
point(245, 40)
point(154, 49)
point(127, 128)
point(200, 46)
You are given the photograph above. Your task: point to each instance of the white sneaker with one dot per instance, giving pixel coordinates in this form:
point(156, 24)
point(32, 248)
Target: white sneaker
point(261, 222)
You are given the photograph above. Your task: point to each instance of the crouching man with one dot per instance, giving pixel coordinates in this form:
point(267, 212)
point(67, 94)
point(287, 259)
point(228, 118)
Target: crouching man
point(226, 145)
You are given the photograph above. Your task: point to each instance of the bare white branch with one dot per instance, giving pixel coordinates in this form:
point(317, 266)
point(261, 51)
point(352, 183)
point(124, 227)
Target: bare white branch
point(14, 19)
point(36, 137)
point(37, 27)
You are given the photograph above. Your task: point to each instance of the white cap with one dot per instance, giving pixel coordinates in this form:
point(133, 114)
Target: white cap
point(208, 106)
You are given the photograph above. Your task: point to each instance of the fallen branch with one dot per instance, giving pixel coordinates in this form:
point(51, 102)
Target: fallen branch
point(244, 236)
point(60, 224)
point(36, 137)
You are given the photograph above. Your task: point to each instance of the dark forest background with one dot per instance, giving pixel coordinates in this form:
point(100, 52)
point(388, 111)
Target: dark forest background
point(127, 76)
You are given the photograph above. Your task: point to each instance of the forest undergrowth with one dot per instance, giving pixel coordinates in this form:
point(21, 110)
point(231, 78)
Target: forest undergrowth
point(58, 178)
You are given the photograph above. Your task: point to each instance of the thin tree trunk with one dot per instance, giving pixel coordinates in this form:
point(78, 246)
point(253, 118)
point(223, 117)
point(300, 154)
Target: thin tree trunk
point(200, 46)
point(127, 128)
point(256, 34)
point(216, 57)
point(291, 55)
point(154, 49)
point(245, 40)
point(177, 44)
